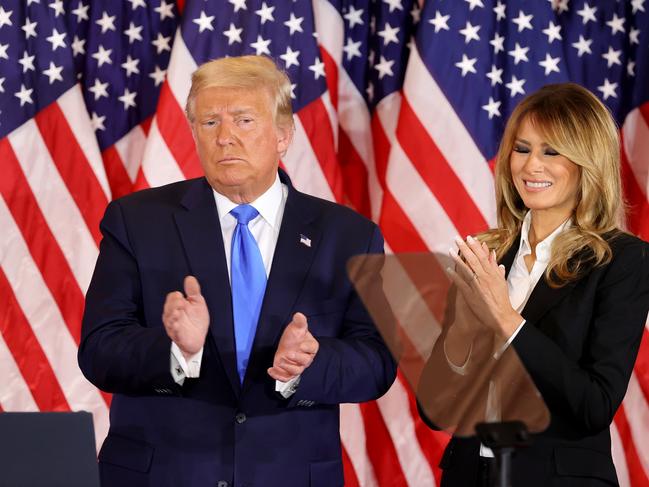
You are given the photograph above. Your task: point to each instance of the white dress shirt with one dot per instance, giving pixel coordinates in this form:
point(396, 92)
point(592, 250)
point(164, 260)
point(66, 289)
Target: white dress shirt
point(265, 229)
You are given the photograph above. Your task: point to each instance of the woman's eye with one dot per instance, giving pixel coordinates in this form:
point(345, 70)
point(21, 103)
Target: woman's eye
point(551, 152)
point(521, 149)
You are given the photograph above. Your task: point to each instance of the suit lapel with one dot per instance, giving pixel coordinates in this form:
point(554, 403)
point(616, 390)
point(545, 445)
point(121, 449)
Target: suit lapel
point(543, 297)
point(200, 232)
point(297, 244)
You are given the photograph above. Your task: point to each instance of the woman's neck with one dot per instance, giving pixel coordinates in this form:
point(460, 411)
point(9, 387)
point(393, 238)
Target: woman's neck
point(543, 223)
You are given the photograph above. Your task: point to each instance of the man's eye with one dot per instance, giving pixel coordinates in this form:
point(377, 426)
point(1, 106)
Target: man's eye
point(209, 123)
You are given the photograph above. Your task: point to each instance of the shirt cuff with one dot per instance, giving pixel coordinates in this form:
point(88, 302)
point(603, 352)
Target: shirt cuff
point(181, 368)
point(505, 345)
point(288, 388)
point(459, 369)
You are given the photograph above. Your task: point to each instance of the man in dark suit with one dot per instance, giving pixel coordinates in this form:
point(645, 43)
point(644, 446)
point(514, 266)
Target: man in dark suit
point(236, 382)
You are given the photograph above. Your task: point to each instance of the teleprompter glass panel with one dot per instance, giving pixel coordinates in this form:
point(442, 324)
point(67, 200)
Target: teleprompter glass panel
point(460, 369)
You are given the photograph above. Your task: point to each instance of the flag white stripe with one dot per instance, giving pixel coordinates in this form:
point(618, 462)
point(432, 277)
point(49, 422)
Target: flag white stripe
point(303, 166)
point(158, 164)
point(388, 112)
point(330, 28)
point(636, 146)
point(181, 66)
point(619, 459)
point(131, 150)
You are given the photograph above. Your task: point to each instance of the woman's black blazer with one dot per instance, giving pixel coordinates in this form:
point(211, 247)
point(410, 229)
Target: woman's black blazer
point(579, 345)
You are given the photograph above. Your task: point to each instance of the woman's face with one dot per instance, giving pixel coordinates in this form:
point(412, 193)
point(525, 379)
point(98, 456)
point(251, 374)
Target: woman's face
point(545, 180)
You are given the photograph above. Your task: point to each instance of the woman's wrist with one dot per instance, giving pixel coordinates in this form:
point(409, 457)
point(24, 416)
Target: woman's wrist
point(510, 323)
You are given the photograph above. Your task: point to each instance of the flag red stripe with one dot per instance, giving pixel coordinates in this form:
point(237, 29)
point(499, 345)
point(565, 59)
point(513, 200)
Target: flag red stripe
point(436, 173)
point(638, 207)
point(317, 127)
point(381, 450)
point(146, 125)
point(644, 110)
point(73, 166)
point(641, 368)
point(382, 146)
point(331, 74)
point(118, 179)
point(351, 480)
point(176, 133)
point(637, 475)
point(354, 175)
point(27, 352)
point(41, 242)
point(140, 181)
point(399, 232)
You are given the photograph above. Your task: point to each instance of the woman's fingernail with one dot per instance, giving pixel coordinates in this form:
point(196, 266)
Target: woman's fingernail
point(452, 252)
point(458, 240)
point(469, 239)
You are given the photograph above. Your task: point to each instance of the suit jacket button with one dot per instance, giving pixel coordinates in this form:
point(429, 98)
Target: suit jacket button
point(240, 418)
point(222, 483)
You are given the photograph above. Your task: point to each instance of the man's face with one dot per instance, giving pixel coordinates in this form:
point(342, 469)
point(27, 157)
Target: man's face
point(237, 141)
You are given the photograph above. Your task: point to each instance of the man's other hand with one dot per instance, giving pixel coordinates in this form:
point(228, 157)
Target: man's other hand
point(186, 319)
point(296, 350)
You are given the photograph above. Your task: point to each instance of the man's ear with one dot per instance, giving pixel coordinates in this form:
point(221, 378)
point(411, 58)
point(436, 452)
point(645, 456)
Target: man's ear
point(284, 138)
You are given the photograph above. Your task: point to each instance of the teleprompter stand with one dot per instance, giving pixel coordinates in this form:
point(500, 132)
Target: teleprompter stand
point(503, 439)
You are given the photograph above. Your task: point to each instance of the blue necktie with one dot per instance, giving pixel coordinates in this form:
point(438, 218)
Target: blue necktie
point(248, 284)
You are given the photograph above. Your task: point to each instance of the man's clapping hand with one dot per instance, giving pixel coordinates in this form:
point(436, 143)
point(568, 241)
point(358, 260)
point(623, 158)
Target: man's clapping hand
point(186, 318)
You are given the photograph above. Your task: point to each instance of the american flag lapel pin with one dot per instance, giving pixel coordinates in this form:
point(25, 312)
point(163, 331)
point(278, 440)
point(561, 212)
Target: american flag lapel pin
point(304, 240)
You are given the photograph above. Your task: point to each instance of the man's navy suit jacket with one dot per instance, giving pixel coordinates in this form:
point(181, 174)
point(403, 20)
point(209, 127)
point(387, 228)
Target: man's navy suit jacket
point(215, 431)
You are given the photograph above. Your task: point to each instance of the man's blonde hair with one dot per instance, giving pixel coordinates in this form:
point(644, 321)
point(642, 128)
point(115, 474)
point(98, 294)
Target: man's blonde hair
point(579, 127)
point(249, 73)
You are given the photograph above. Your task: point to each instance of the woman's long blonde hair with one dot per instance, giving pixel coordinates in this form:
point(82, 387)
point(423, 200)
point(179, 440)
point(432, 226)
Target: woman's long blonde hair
point(578, 126)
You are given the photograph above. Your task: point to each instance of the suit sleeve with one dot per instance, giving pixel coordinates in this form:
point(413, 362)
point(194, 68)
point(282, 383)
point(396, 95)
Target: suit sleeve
point(356, 366)
point(118, 353)
point(587, 392)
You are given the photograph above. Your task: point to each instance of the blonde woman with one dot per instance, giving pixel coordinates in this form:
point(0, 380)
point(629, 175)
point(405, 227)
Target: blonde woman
point(561, 283)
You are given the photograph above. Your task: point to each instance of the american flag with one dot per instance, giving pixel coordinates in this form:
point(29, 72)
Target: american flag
point(399, 108)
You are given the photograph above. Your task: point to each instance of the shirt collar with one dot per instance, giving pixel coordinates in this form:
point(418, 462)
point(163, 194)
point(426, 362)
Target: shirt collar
point(267, 204)
point(544, 247)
